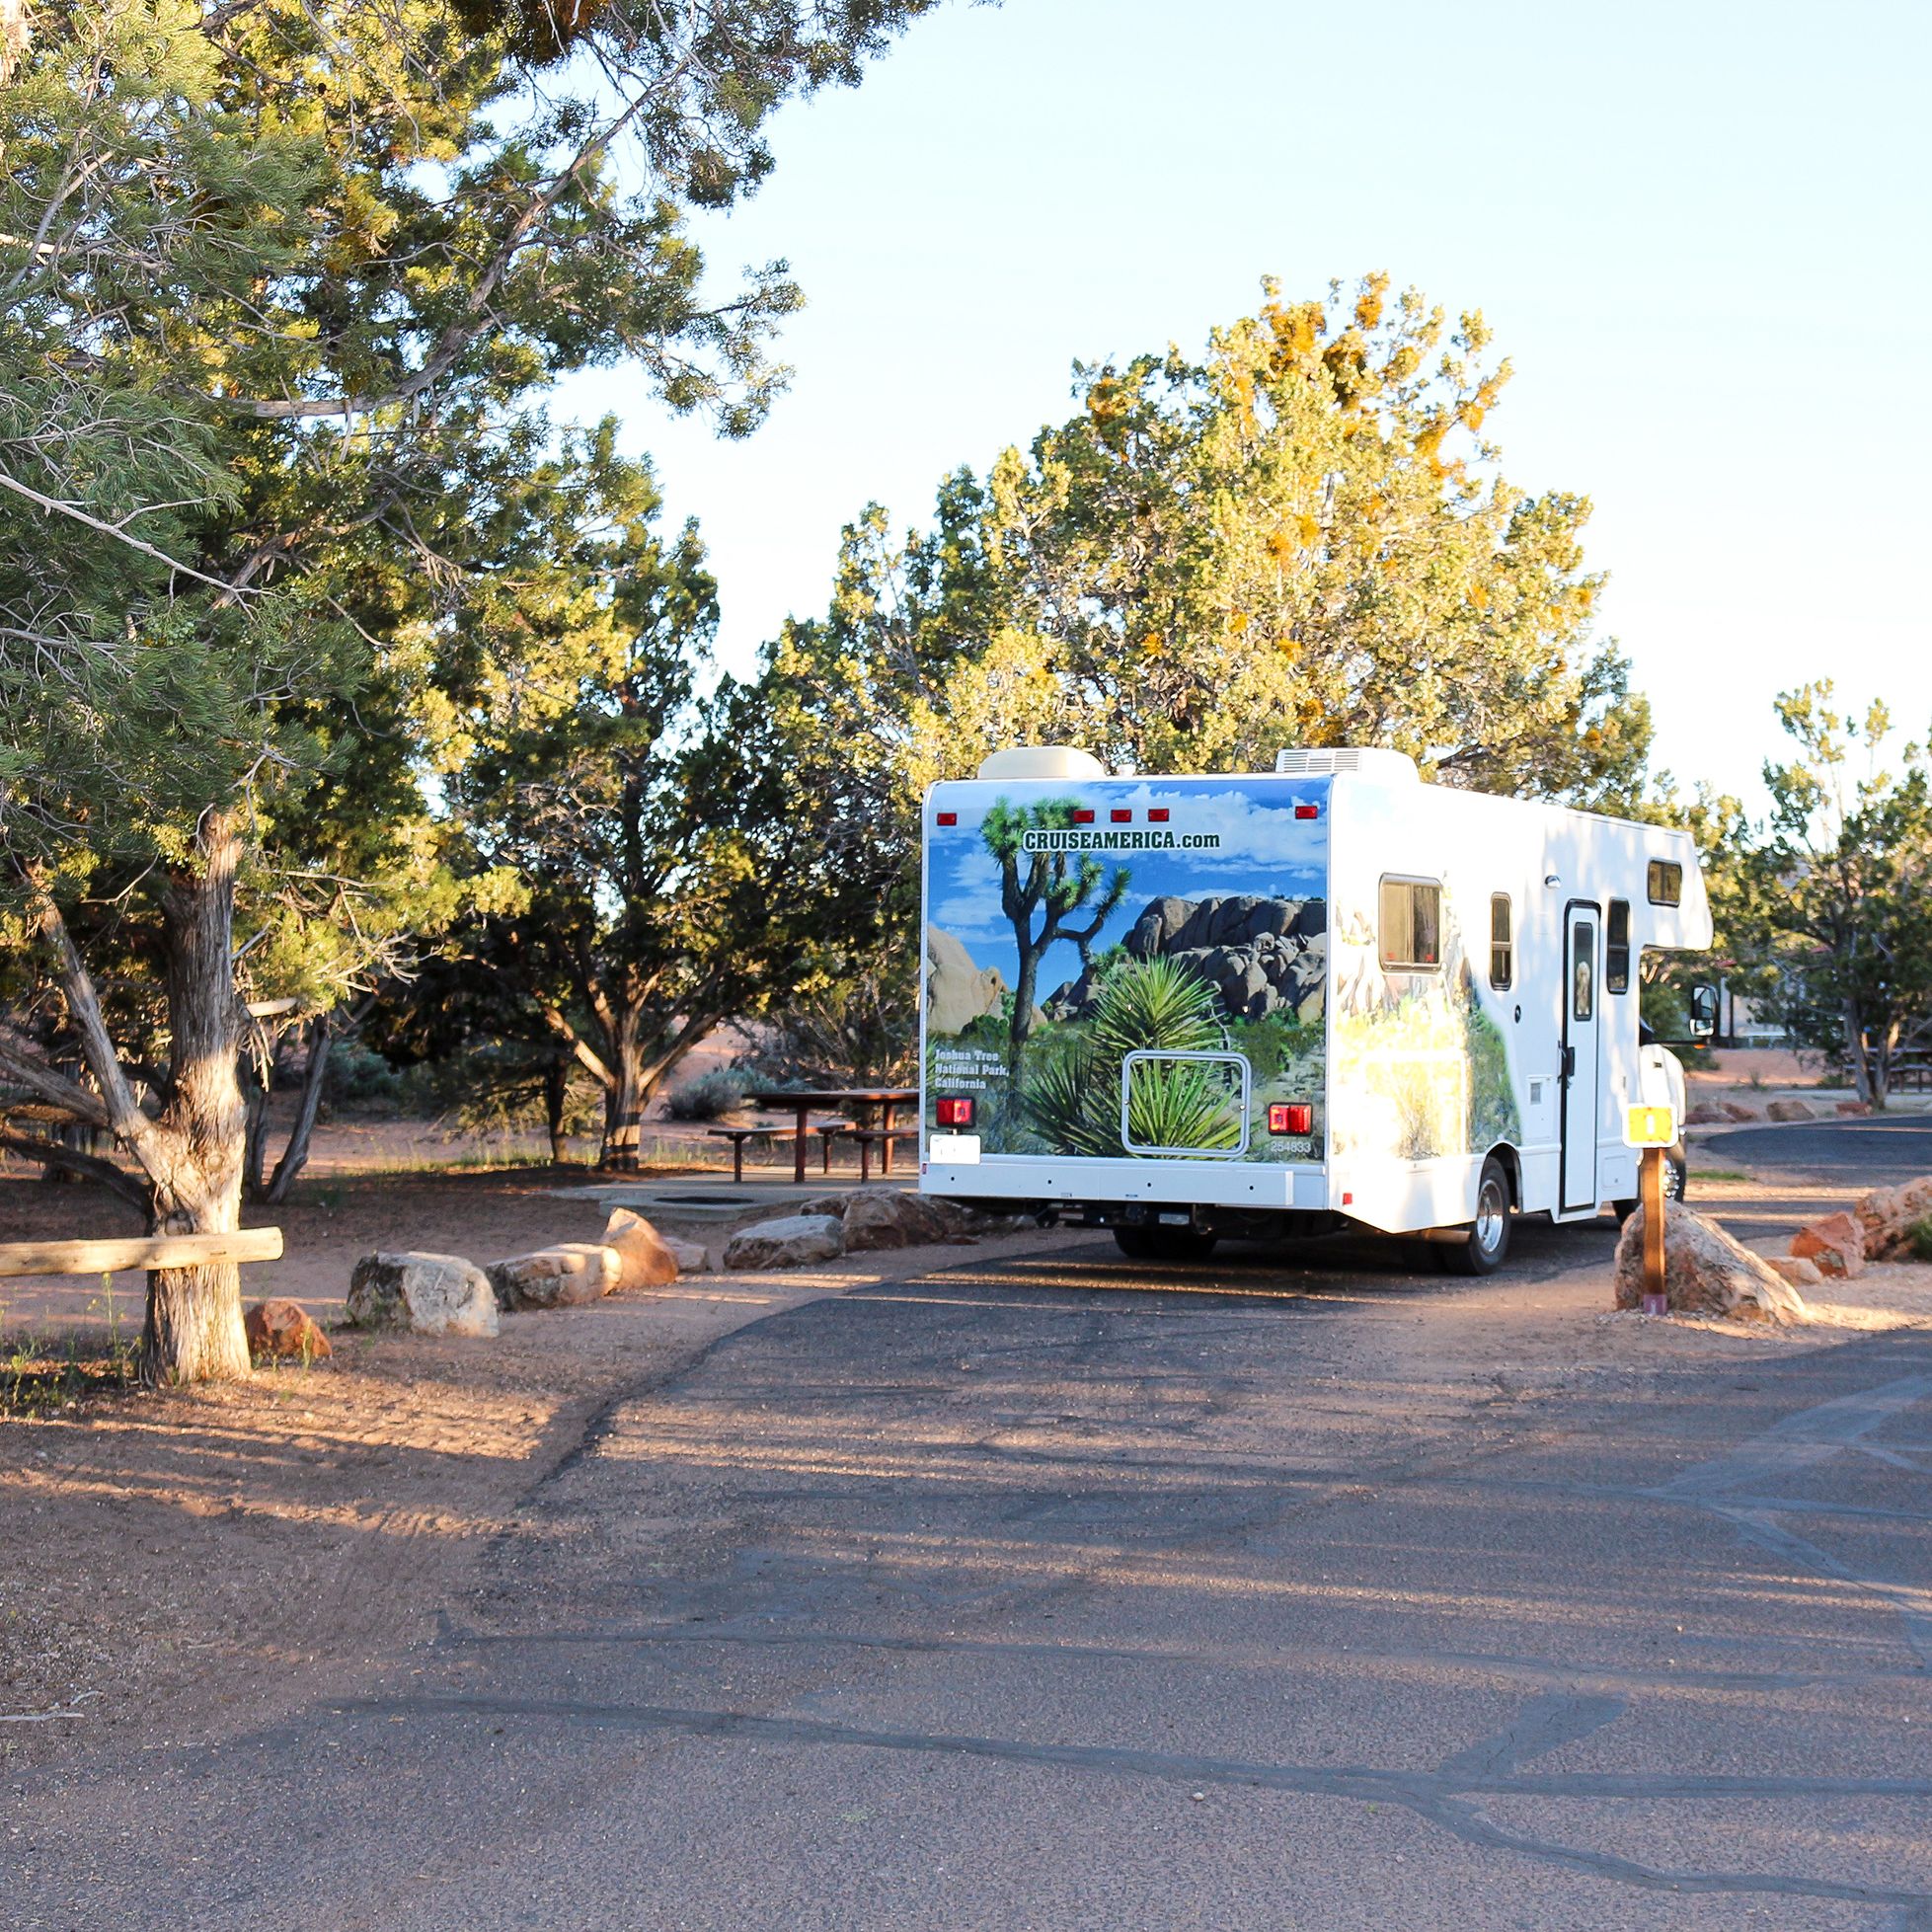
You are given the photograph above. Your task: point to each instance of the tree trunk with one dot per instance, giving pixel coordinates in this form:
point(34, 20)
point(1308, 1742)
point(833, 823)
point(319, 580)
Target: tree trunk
point(625, 1094)
point(1861, 1067)
point(556, 1092)
point(295, 1156)
point(255, 1151)
point(193, 1330)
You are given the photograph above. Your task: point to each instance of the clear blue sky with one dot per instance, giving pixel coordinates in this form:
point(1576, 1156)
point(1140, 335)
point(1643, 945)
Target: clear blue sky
point(1700, 231)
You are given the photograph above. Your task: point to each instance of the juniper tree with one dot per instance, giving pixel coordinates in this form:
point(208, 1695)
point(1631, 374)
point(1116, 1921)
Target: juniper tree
point(277, 279)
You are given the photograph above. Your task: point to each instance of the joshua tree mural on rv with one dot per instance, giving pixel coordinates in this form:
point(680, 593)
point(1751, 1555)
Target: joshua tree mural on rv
point(1054, 884)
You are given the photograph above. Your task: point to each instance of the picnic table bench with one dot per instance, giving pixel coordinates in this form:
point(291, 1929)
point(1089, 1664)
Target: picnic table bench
point(826, 1131)
point(886, 1099)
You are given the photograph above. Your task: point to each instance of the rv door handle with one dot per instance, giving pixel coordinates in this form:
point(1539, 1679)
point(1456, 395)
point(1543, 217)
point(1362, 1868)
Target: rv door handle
point(1569, 1064)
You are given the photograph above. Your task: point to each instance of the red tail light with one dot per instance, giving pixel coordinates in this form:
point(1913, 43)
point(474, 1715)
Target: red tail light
point(1157, 816)
point(1083, 816)
point(1290, 1116)
point(949, 817)
point(1308, 812)
point(1121, 818)
point(953, 1112)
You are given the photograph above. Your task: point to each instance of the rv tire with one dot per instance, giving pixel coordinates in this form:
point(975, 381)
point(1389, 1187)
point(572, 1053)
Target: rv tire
point(1163, 1244)
point(1488, 1245)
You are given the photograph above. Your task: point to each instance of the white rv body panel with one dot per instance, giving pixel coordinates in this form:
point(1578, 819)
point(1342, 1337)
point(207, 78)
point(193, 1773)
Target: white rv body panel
point(1417, 1067)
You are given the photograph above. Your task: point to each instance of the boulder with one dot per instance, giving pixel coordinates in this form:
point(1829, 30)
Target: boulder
point(788, 1241)
point(690, 1256)
point(958, 991)
point(434, 1294)
point(1705, 1113)
point(566, 1275)
point(1835, 1244)
point(1853, 1107)
point(1790, 1110)
point(898, 1217)
point(1797, 1269)
point(1705, 1272)
point(278, 1328)
point(1886, 1217)
point(644, 1257)
point(1734, 1109)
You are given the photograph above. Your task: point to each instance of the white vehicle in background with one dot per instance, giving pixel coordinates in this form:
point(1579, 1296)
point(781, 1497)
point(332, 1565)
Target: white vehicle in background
point(1662, 1085)
point(1283, 1003)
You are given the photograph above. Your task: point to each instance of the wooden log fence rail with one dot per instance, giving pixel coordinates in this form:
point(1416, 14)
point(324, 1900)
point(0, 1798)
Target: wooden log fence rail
point(142, 1250)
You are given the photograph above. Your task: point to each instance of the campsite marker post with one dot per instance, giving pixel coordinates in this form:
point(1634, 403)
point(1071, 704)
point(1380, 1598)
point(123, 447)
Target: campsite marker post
point(1653, 1129)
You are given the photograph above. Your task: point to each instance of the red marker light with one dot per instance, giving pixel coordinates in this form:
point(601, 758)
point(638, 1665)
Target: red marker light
point(954, 1112)
point(1308, 812)
point(949, 817)
point(1121, 818)
point(1290, 1116)
point(1083, 816)
point(1157, 816)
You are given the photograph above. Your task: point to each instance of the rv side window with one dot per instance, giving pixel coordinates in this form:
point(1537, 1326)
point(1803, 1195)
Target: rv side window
point(1411, 923)
point(1616, 948)
point(1582, 973)
point(1502, 948)
point(1666, 883)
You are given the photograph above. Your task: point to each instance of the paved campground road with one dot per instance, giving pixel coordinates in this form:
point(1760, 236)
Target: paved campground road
point(1018, 1596)
point(1862, 1152)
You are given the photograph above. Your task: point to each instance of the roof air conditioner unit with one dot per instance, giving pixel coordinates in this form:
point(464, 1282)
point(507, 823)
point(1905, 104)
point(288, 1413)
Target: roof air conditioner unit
point(1052, 761)
point(1371, 760)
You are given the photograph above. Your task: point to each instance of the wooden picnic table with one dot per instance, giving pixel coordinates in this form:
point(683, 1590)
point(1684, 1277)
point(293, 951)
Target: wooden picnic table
point(887, 1098)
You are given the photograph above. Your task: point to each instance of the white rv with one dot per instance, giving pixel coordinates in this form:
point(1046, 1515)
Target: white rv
point(1283, 1003)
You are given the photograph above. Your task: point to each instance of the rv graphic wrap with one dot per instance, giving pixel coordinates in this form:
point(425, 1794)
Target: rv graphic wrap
point(1115, 989)
point(1425, 1068)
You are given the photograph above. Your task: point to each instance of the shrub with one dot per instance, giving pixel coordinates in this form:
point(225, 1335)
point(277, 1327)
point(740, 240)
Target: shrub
point(1919, 1234)
point(710, 1096)
point(358, 1077)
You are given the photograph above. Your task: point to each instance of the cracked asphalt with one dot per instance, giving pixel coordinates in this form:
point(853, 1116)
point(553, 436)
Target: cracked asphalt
point(1313, 1593)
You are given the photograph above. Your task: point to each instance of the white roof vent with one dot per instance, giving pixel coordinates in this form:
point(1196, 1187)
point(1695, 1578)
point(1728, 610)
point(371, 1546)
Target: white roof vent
point(1371, 760)
point(1042, 762)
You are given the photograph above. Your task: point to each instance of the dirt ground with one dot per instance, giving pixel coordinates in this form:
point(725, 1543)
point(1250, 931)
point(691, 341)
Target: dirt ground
point(178, 1567)
point(173, 1566)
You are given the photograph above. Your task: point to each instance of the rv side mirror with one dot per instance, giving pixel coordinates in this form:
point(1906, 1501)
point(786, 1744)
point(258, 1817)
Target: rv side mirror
point(1703, 1012)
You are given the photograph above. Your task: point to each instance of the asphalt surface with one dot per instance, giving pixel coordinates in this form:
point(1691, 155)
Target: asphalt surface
point(1866, 1152)
point(1318, 1594)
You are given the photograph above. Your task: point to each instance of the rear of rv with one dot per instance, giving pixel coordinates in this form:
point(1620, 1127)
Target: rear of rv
point(1126, 993)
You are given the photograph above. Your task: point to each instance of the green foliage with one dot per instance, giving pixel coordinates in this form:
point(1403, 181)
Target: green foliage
point(1831, 897)
point(1299, 536)
point(358, 1077)
point(1919, 1234)
point(841, 1024)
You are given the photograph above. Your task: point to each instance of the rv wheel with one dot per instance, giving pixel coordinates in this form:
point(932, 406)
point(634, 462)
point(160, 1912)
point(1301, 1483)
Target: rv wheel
point(1163, 1244)
point(1488, 1233)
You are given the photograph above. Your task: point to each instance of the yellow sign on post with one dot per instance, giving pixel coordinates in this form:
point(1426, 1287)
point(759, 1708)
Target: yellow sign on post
point(1653, 1129)
point(1649, 1127)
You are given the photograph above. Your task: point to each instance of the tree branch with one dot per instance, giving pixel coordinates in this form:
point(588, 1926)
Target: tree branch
point(54, 1088)
point(151, 1147)
point(475, 317)
point(54, 506)
point(90, 1167)
point(568, 1033)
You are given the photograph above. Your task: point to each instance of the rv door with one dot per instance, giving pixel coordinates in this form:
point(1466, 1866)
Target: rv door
point(1581, 994)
